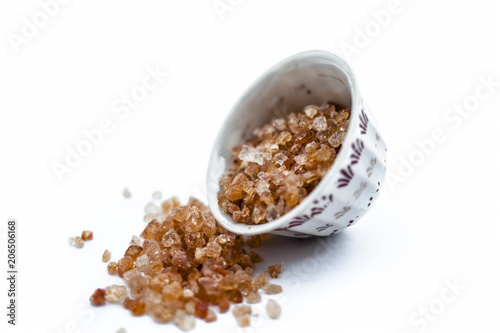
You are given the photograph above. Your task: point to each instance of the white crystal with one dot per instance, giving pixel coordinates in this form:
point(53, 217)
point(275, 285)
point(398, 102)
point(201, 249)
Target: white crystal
point(184, 321)
point(280, 158)
point(251, 154)
point(301, 159)
point(273, 309)
point(319, 123)
point(142, 262)
point(126, 193)
point(135, 240)
point(152, 209)
point(311, 110)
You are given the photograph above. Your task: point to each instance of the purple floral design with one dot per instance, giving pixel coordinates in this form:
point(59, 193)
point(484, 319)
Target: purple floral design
point(318, 208)
point(347, 176)
point(357, 148)
point(364, 121)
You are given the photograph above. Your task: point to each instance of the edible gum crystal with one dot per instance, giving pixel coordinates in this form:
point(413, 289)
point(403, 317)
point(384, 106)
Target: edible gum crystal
point(282, 163)
point(185, 267)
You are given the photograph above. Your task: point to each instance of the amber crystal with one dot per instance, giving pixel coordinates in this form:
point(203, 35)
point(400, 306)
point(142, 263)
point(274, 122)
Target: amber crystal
point(274, 271)
point(98, 297)
point(187, 264)
point(136, 306)
point(106, 256)
point(87, 235)
point(201, 309)
point(282, 163)
point(172, 291)
point(133, 251)
point(112, 267)
point(124, 264)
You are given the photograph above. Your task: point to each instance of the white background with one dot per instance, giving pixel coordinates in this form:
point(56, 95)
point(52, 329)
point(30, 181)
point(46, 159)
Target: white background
point(434, 224)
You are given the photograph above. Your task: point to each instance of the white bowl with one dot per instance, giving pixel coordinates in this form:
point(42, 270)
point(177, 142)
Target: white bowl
point(351, 185)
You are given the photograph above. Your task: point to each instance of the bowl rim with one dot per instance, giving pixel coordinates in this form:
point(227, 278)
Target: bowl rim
point(225, 219)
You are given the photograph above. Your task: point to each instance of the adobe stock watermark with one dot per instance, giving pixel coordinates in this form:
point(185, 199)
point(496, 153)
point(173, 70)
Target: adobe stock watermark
point(85, 313)
point(121, 108)
point(453, 118)
point(428, 313)
point(365, 35)
point(222, 7)
point(31, 26)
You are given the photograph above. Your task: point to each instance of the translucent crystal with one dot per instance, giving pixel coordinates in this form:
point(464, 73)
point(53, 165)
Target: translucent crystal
point(279, 124)
point(124, 264)
point(142, 262)
point(152, 209)
point(336, 139)
point(253, 298)
point(87, 235)
point(280, 158)
point(126, 193)
point(323, 154)
point(172, 291)
point(274, 271)
point(255, 257)
point(135, 240)
point(137, 283)
point(171, 238)
point(259, 213)
point(342, 127)
point(213, 250)
point(106, 256)
point(273, 309)
point(209, 286)
point(157, 195)
point(261, 280)
point(98, 297)
point(79, 242)
point(301, 159)
point(184, 321)
point(242, 314)
point(115, 293)
point(201, 309)
point(284, 137)
point(250, 154)
point(133, 251)
point(272, 289)
point(211, 316)
point(136, 306)
point(224, 306)
point(194, 220)
point(319, 123)
point(311, 110)
point(112, 267)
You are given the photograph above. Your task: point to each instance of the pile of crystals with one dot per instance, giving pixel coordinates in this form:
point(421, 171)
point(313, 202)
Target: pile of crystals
point(282, 163)
point(185, 267)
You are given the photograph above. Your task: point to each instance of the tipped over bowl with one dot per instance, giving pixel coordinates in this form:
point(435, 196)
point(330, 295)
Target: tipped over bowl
point(349, 188)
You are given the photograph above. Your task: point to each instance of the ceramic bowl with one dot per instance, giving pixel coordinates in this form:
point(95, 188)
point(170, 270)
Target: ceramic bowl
point(352, 184)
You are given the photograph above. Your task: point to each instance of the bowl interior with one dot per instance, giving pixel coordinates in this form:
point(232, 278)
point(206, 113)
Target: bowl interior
point(311, 77)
